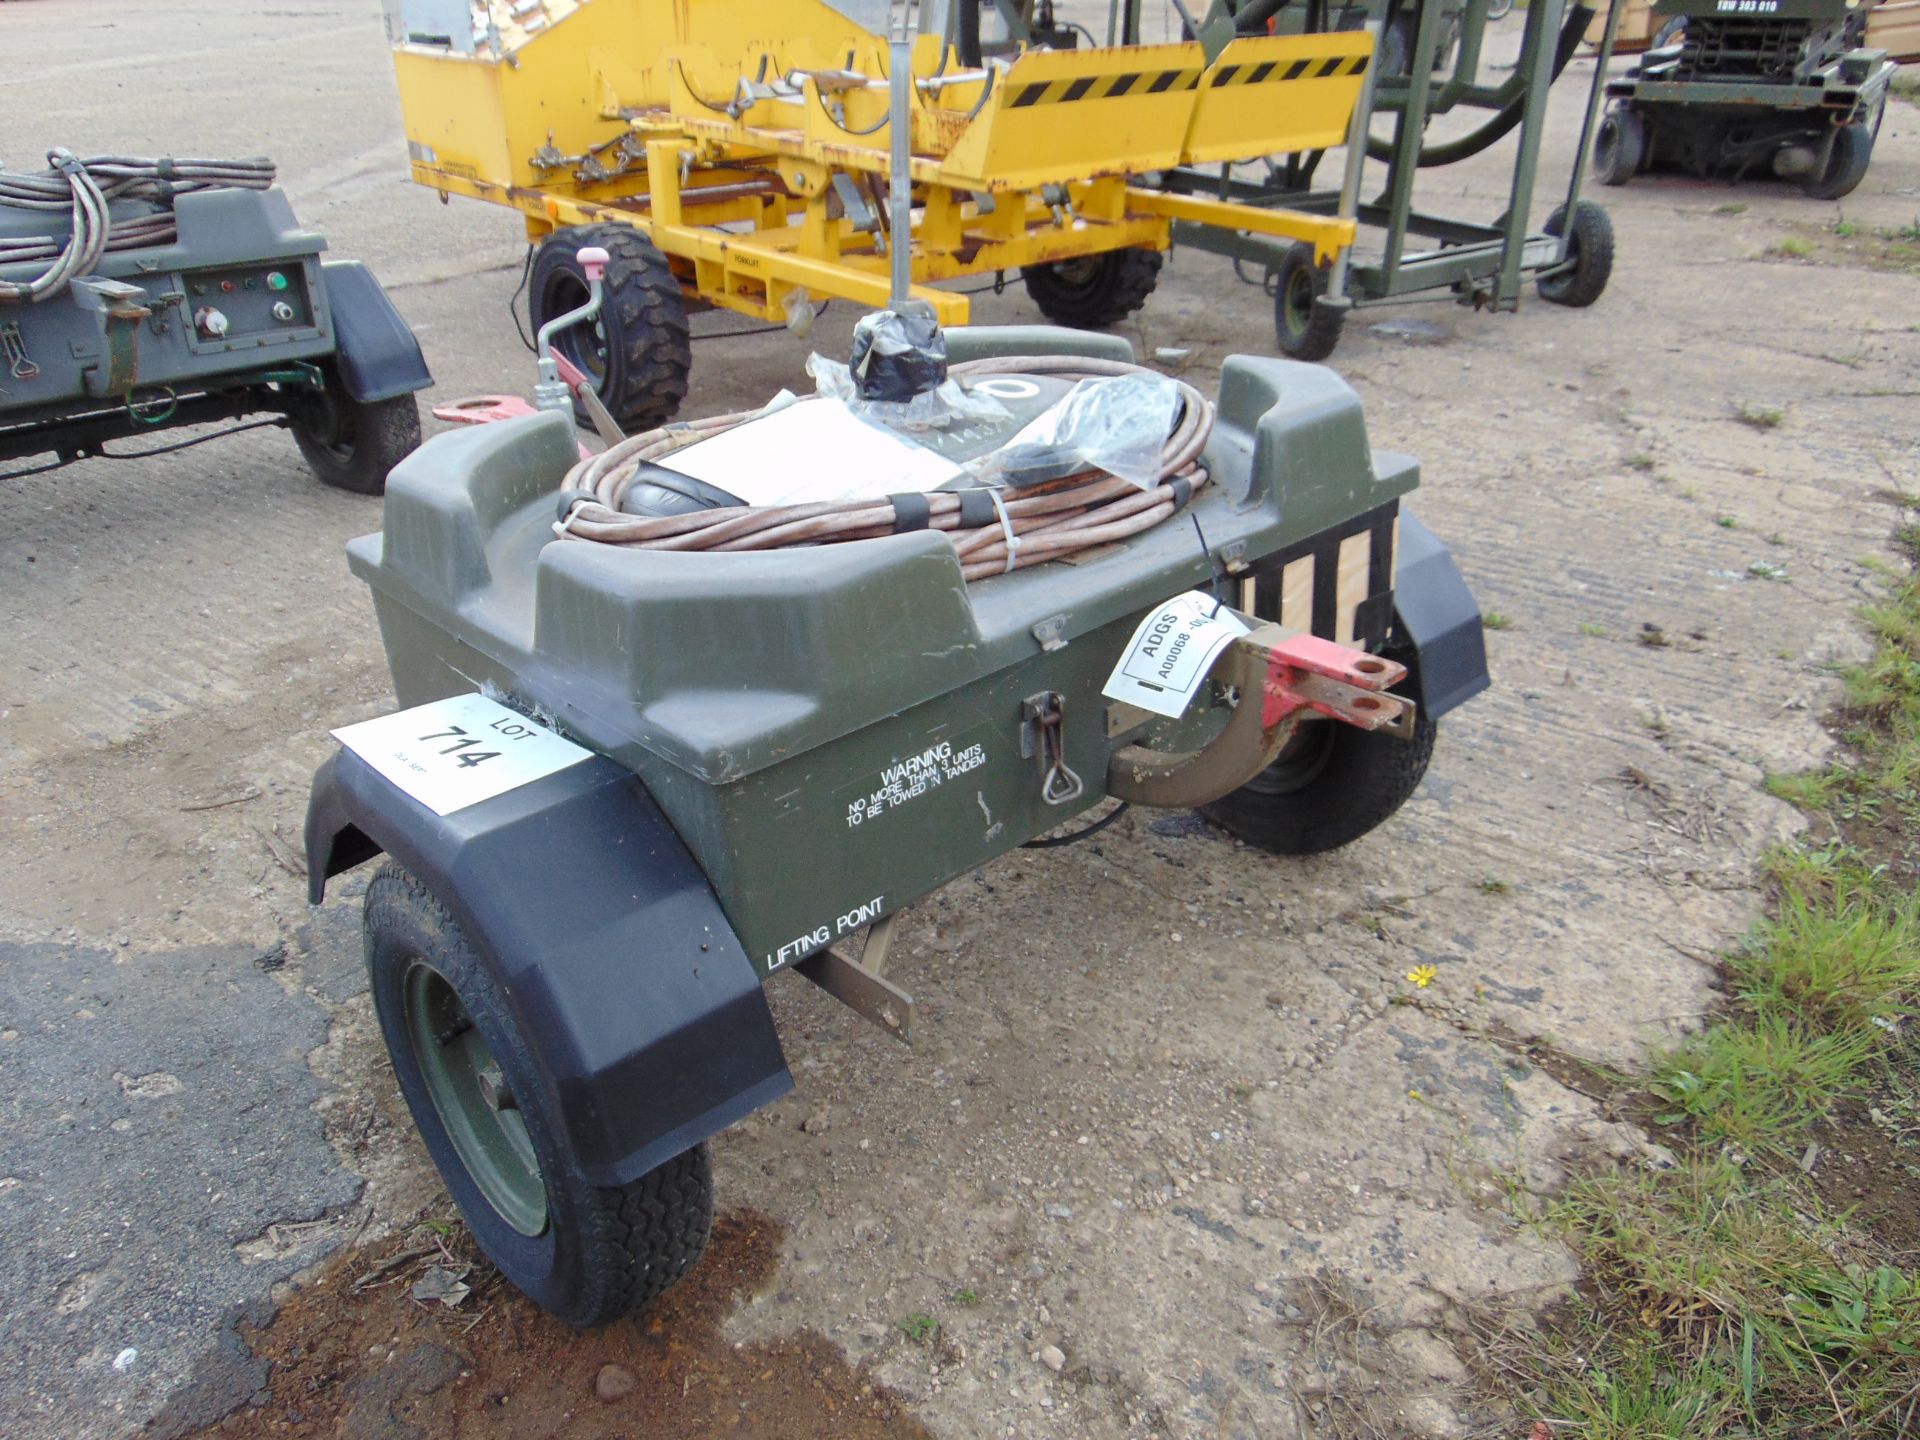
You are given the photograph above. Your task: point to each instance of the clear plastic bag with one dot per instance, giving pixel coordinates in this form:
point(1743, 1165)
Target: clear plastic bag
point(1116, 423)
point(898, 377)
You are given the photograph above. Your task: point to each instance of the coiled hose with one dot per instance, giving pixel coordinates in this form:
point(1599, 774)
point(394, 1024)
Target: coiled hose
point(1023, 527)
point(83, 189)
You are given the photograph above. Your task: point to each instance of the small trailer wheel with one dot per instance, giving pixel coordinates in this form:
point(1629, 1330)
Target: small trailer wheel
point(1303, 328)
point(1092, 292)
point(1589, 256)
point(585, 1253)
point(352, 444)
point(1620, 147)
point(1846, 163)
point(637, 351)
point(1331, 785)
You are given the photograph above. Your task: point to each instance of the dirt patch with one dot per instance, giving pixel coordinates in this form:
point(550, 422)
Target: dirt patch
point(1867, 1165)
point(353, 1354)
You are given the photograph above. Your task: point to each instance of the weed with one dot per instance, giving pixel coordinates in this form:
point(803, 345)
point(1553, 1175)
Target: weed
point(1652, 636)
point(1844, 228)
point(1493, 885)
point(1727, 522)
point(1794, 247)
point(1587, 627)
point(1732, 207)
point(1494, 620)
point(919, 1328)
point(1767, 570)
point(1776, 538)
point(966, 1297)
point(1760, 417)
point(1640, 461)
point(1687, 492)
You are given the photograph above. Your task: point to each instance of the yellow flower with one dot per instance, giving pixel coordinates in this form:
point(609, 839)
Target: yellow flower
point(1422, 975)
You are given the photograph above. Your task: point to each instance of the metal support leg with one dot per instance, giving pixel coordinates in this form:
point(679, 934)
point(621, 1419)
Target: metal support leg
point(1349, 207)
point(859, 984)
point(1596, 95)
point(1544, 18)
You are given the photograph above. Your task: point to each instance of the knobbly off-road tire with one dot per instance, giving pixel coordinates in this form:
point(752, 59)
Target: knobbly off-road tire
point(638, 350)
point(587, 1254)
point(1093, 291)
point(352, 444)
point(1590, 249)
point(1332, 785)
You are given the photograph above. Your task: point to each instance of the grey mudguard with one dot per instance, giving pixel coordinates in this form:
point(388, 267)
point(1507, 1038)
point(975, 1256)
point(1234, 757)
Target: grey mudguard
point(621, 972)
point(377, 354)
point(1437, 623)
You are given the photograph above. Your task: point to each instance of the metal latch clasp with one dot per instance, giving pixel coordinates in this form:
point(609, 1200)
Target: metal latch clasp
point(1043, 720)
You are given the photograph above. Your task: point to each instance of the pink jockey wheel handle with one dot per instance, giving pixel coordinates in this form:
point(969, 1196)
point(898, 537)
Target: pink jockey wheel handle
point(593, 259)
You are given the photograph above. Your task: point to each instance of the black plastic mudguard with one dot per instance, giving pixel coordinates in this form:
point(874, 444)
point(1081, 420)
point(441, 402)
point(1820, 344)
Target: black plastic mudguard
point(375, 349)
point(1437, 632)
point(602, 933)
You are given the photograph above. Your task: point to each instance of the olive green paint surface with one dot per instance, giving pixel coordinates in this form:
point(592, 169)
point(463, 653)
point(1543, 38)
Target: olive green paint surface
point(834, 731)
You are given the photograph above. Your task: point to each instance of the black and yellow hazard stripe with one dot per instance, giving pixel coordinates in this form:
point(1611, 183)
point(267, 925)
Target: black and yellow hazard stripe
point(1161, 82)
point(1273, 70)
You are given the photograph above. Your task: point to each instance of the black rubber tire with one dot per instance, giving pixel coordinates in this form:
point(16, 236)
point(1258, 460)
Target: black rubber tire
point(1619, 146)
point(352, 444)
point(639, 350)
point(604, 1251)
point(1846, 163)
point(1303, 329)
point(1332, 785)
point(1094, 291)
point(1591, 248)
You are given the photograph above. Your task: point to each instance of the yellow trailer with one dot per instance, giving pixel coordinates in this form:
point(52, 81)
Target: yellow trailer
point(737, 154)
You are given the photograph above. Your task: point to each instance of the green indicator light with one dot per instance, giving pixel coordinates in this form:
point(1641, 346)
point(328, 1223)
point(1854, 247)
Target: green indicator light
point(276, 281)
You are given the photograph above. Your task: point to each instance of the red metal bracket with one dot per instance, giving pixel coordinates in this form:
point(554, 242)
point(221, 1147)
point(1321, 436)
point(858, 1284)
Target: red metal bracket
point(483, 409)
point(1305, 672)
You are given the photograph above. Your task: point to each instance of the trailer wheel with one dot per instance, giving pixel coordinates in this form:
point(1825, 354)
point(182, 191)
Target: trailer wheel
point(1093, 291)
point(587, 1254)
point(1303, 328)
point(1331, 785)
point(1846, 163)
point(637, 350)
point(352, 444)
point(1589, 256)
point(1620, 147)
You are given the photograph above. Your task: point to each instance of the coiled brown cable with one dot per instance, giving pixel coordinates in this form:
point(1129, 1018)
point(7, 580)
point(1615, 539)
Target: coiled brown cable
point(1047, 521)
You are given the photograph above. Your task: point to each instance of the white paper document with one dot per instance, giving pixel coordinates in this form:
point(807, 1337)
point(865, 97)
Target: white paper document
point(457, 752)
point(1171, 652)
point(810, 452)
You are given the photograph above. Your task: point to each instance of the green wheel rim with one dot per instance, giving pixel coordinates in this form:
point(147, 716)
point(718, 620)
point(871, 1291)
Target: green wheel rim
point(471, 1096)
point(1297, 302)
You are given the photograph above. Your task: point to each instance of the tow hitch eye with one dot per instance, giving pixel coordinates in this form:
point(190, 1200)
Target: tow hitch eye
point(1292, 674)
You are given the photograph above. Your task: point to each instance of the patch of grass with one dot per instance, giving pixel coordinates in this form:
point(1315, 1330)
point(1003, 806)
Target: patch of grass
point(1727, 522)
point(919, 1328)
point(1844, 228)
point(1587, 627)
point(1718, 1297)
point(966, 1297)
point(1760, 417)
point(1794, 247)
point(1493, 885)
point(1721, 1307)
point(1494, 620)
point(1732, 207)
point(1639, 461)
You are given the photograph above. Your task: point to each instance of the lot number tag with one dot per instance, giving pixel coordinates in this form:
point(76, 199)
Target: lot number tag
point(1171, 653)
point(457, 752)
